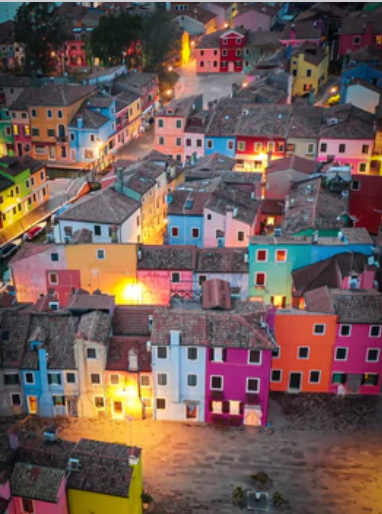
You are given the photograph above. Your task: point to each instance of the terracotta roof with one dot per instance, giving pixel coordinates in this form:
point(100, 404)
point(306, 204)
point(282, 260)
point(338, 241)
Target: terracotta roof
point(319, 300)
point(241, 178)
point(302, 30)
point(211, 40)
point(180, 107)
point(90, 119)
point(357, 306)
point(58, 95)
point(104, 468)
point(136, 79)
point(224, 118)
point(275, 207)
point(260, 7)
point(214, 162)
point(35, 450)
point(329, 272)
point(84, 301)
point(100, 101)
point(104, 72)
point(357, 236)
point(132, 320)
point(107, 206)
point(264, 121)
point(221, 260)
point(352, 123)
point(7, 299)
point(201, 328)
point(199, 14)
point(42, 303)
point(119, 349)
point(36, 482)
point(294, 162)
point(29, 249)
point(138, 181)
point(167, 257)
point(124, 99)
point(228, 198)
point(16, 165)
point(95, 326)
point(216, 294)
point(14, 331)
point(189, 203)
point(81, 236)
point(357, 23)
point(313, 53)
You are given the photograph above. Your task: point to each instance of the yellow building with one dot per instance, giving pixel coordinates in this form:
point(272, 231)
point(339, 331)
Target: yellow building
point(105, 478)
point(309, 68)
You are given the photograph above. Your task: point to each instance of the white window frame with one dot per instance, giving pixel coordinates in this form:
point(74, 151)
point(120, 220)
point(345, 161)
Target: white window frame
point(50, 281)
point(281, 250)
point(246, 385)
point(144, 386)
point(255, 363)
point(91, 358)
point(298, 353)
point(100, 378)
point(55, 373)
point(180, 277)
point(195, 228)
point(319, 376)
point(241, 146)
point(230, 141)
point(319, 324)
point(266, 255)
point(104, 254)
point(172, 235)
point(359, 167)
point(281, 376)
point(197, 380)
point(379, 335)
point(162, 358)
point(373, 349)
point(25, 380)
point(197, 353)
point(313, 149)
point(345, 325)
point(341, 348)
point(71, 373)
point(222, 383)
point(167, 381)
point(261, 286)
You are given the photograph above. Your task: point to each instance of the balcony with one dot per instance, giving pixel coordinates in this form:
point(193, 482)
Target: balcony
point(62, 139)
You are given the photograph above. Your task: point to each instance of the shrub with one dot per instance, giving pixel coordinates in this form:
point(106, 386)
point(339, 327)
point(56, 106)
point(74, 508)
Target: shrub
point(278, 499)
point(261, 477)
point(146, 498)
point(238, 496)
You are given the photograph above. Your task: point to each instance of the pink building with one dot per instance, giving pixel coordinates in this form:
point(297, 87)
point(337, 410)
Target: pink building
point(164, 272)
point(347, 137)
point(256, 17)
point(61, 284)
point(208, 59)
point(194, 136)
point(295, 34)
point(21, 124)
point(357, 359)
point(170, 125)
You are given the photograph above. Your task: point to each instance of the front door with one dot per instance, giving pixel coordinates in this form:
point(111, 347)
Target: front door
point(208, 65)
point(294, 382)
point(72, 407)
point(52, 152)
point(32, 404)
point(19, 149)
point(231, 67)
point(118, 412)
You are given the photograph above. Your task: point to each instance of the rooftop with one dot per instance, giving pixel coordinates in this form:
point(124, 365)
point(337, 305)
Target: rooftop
point(132, 320)
point(106, 206)
point(136, 79)
point(224, 117)
point(190, 203)
point(16, 165)
point(227, 198)
point(313, 54)
point(36, 482)
point(347, 122)
point(358, 22)
point(302, 30)
point(167, 257)
point(222, 260)
point(125, 98)
point(52, 95)
point(264, 120)
point(180, 107)
point(90, 119)
point(350, 236)
point(9, 80)
point(83, 301)
point(120, 349)
point(214, 162)
point(294, 162)
point(357, 306)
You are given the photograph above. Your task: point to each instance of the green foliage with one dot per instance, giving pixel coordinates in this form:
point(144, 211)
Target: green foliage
point(146, 497)
point(114, 36)
point(278, 499)
point(261, 478)
point(159, 40)
point(238, 496)
point(38, 28)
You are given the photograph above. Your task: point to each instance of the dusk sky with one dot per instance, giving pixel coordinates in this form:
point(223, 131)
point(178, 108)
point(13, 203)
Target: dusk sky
point(8, 10)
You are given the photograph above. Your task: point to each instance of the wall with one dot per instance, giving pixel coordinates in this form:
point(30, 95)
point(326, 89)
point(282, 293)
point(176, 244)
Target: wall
point(278, 183)
point(319, 73)
point(68, 280)
point(196, 144)
point(170, 135)
point(236, 280)
point(211, 226)
point(22, 138)
point(207, 60)
point(220, 145)
point(365, 71)
point(366, 203)
point(156, 285)
point(6, 406)
point(41, 507)
point(353, 152)
point(294, 329)
point(362, 97)
point(185, 225)
point(357, 343)
point(301, 147)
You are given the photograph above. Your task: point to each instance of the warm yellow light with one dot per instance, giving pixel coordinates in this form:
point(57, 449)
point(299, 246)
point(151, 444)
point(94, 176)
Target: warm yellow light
point(169, 92)
point(333, 90)
point(132, 293)
point(192, 43)
point(53, 54)
point(226, 25)
point(245, 84)
point(170, 68)
point(165, 221)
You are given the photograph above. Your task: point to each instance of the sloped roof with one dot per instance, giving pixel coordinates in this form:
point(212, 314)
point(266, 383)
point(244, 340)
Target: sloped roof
point(357, 306)
point(294, 162)
point(90, 119)
point(132, 320)
point(216, 294)
point(14, 331)
point(36, 482)
point(16, 165)
point(353, 123)
point(222, 260)
point(167, 257)
point(119, 349)
point(83, 301)
point(189, 203)
point(228, 198)
point(51, 95)
point(95, 326)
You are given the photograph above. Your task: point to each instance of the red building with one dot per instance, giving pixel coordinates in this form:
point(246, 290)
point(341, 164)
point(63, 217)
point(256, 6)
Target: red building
point(360, 31)
point(62, 283)
point(366, 202)
point(232, 45)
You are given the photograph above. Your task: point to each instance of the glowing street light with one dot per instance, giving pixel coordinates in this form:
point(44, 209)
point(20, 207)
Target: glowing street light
point(170, 68)
point(333, 90)
point(192, 43)
point(245, 84)
point(169, 92)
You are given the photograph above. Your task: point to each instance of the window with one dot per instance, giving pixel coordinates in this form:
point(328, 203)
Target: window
point(240, 235)
point(260, 280)
point(356, 40)
point(11, 379)
point(95, 378)
point(161, 141)
point(28, 505)
point(216, 383)
point(339, 378)
point(362, 167)
point(192, 354)
point(253, 385)
point(188, 142)
point(254, 357)
point(356, 185)
point(91, 353)
point(238, 53)
point(308, 73)
point(319, 330)
point(178, 123)
point(15, 130)
point(310, 148)
point(215, 64)
point(241, 146)
point(15, 399)
point(100, 255)
point(230, 145)
point(27, 133)
point(279, 147)
point(162, 379)
point(209, 217)
point(34, 113)
point(54, 257)
point(202, 64)
point(365, 149)
point(29, 377)
point(161, 404)
point(175, 277)
point(271, 146)
point(147, 403)
point(370, 379)
point(342, 148)
point(199, 143)
point(162, 352)
point(195, 233)
point(314, 377)
point(276, 375)
point(49, 113)
point(92, 138)
point(160, 123)
point(281, 255)
point(345, 330)
point(35, 131)
point(323, 147)
point(53, 278)
point(70, 378)
point(341, 354)
point(378, 40)
point(175, 231)
point(192, 380)
point(54, 378)
point(210, 143)
point(276, 352)
point(97, 230)
point(114, 379)
point(375, 331)
point(303, 352)
point(372, 355)
point(5, 334)
point(145, 381)
point(224, 53)
point(261, 255)
point(99, 402)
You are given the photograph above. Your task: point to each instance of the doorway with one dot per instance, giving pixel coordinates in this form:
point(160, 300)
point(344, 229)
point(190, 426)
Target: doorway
point(294, 382)
point(52, 152)
point(19, 149)
point(32, 404)
point(231, 67)
point(118, 411)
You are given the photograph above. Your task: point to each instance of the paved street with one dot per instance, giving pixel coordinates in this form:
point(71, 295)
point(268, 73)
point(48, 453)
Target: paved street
point(212, 85)
point(138, 148)
point(322, 453)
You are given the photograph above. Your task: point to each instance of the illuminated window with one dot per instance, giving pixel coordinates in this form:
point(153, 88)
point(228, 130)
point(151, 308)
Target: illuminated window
point(217, 407)
point(241, 146)
point(271, 146)
point(15, 130)
point(114, 379)
point(281, 255)
point(99, 402)
point(370, 379)
point(378, 40)
point(145, 381)
point(27, 130)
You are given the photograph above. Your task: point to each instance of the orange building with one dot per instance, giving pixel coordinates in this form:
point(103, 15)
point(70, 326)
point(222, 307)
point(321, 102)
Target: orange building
point(306, 341)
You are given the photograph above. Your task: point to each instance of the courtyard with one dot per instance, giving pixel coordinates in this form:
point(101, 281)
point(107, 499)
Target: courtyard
point(322, 453)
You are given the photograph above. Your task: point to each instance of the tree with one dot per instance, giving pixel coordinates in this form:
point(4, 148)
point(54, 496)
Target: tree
point(38, 28)
point(114, 36)
point(160, 39)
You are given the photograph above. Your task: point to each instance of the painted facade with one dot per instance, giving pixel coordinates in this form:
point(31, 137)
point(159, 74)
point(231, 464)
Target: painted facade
point(207, 60)
point(309, 71)
point(365, 202)
point(369, 72)
point(355, 152)
point(21, 132)
point(185, 230)
point(6, 133)
point(225, 145)
point(225, 230)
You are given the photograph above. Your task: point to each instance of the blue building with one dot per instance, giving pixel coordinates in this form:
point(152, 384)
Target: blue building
point(185, 217)
point(220, 132)
point(91, 128)
point(370, 72)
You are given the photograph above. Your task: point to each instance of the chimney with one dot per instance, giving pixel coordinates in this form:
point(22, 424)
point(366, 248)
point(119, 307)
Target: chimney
point(119, 182)
point(174, 337)
point(80, 121)
point(311, 96)
point(173, 171)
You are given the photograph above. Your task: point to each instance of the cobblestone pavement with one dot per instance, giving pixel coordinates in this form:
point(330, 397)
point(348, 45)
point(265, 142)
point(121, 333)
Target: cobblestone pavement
point(322, 453)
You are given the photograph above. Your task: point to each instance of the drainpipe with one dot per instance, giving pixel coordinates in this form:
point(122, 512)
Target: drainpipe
point(45, 401)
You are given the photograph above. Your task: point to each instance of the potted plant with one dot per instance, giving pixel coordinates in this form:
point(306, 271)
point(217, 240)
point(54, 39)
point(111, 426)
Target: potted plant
point(238, 497)
point(146, 500)
point(278, 499)
point(261, 478)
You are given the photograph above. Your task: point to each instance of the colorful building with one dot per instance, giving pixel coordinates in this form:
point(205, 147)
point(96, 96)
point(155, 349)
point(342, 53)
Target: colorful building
point(309, 68)
point(280, 175)
point(146, 85)
point(300, 32)
point(257, 17)
point(21, 124)
point(221, 52)
point(220, 130)
point(359, 73)
point(359, 31)
point(366, 201)
point(6, 133)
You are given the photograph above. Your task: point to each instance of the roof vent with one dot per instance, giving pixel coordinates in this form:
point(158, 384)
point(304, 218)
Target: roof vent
point(73, 465)
point(331, 121)
point(226, 117)
point(246, 112)
point(280, 116)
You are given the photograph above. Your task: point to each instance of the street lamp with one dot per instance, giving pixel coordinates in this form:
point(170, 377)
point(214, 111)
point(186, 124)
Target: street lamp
point(170, 68)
